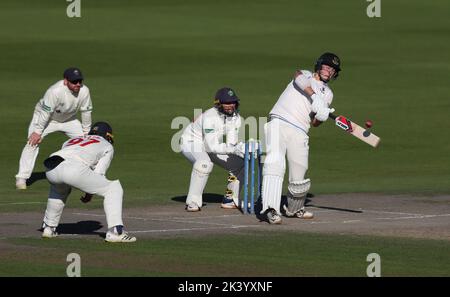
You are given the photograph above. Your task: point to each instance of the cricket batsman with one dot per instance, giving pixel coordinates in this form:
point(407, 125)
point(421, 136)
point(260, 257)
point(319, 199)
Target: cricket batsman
point(213, 139)
point(287, 136)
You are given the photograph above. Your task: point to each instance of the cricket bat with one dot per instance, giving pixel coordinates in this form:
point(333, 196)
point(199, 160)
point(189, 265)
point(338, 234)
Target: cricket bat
point(359, 132)
point(343, 122)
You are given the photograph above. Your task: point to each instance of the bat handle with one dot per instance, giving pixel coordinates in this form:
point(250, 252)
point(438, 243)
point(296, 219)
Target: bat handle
point(333, 116)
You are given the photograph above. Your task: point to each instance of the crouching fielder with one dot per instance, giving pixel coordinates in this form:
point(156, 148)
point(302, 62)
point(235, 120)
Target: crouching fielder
point(213, 139)
point(82, 163)
point(287, 136)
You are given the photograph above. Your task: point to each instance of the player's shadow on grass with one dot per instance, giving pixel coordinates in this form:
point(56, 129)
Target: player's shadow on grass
point(216, 198)
point(336, 208)
point(308, 203)
point(207, 198)
point(81, 228)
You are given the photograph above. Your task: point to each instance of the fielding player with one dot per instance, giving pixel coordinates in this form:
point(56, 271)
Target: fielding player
point(82, 163)
point(56, 111)
point(213, 138)
point(287, 135)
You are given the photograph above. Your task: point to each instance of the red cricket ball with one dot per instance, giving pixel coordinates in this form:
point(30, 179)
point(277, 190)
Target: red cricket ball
point(369, 123)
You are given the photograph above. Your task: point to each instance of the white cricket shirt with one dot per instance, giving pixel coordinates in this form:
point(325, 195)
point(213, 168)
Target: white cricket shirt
point(294, 107)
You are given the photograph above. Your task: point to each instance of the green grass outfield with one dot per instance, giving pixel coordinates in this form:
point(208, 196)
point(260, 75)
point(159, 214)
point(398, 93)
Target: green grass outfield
point(262, 254)
point(147, 62)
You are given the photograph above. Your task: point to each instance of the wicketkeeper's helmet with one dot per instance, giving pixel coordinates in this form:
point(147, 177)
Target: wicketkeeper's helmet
point(226, 96)
point(331, 60)
point(102, 129)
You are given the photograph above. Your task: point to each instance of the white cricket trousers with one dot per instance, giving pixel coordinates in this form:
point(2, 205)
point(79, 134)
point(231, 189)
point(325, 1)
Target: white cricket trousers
point(29, 153)
point(282, 140)
point(230, 162)
point(73, 173)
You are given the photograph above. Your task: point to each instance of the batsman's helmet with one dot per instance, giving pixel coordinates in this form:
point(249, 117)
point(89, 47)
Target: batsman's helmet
point(331, 60)
point(102, 129)
point(226, 96)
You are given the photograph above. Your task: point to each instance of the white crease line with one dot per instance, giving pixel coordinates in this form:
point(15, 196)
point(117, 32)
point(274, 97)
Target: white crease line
point(366, 211)
point(158, 220)
point(193, 229)
point(415, 217)
point(211, 217)
point(226, 226)
point(392, 212)
point(176, 221)
point(88, 214)
point(20, 203)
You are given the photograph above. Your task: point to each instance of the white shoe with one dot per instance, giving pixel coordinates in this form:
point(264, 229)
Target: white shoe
point(273, 217)
point(21, 183)
point(228, 203)
point(303, 214)
point(49, 232)
point(114, 237)
point(192, 207)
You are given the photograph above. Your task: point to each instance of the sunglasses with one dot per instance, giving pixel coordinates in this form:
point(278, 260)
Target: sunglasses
point(75, 82)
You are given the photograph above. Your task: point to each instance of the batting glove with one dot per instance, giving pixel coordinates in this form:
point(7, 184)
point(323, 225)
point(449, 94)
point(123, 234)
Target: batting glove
point(323, 113)
point(239, 149)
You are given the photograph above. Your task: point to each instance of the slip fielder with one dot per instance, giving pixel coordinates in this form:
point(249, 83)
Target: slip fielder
point(56, 111)
point(82, 163)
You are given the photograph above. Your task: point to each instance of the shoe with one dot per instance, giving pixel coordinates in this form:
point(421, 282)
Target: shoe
point(192, 207)
point(48, 232)
point(273, 217)
point(303, 214)
point(114, 237)
point(21, 184)
point(228, 203)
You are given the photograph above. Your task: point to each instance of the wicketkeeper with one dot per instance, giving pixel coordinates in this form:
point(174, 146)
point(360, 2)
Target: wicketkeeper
point(213, 139)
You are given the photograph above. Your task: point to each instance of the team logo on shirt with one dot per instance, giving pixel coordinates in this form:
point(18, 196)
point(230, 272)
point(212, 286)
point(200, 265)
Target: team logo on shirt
point(46, 107)
point(209, 130)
